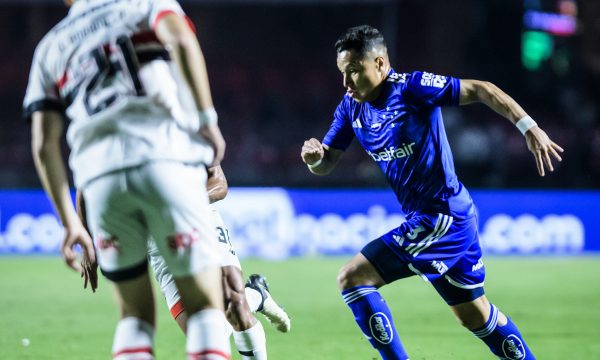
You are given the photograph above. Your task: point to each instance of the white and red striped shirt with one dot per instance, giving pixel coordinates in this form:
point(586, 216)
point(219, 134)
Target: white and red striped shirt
point(104, 69)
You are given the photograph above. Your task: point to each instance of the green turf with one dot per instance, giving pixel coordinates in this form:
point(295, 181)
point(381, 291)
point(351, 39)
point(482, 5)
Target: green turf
point(555, 302)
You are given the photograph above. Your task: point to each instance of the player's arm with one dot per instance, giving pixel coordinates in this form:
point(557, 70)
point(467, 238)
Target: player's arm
point(538, 142)
point(175, 33)
point(80, 208)
point(46, 132)
point(320, 158)
point(216, 184)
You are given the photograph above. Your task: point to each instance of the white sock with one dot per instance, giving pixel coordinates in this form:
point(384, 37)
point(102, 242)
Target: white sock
point(228, 329)
point(133, 340)
point(206, 338)
point(251, 343)
point(254, 298)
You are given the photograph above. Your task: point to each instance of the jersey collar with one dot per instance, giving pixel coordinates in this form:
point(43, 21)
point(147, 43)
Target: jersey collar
point(386, 88)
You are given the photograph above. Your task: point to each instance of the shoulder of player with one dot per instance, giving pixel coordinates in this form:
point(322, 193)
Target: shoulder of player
point(346, 102)
point(44, 45)
point(56, 31)
point(346, 108)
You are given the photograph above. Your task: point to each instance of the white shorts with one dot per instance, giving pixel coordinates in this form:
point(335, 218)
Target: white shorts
point(164, 277)
point(163, 200)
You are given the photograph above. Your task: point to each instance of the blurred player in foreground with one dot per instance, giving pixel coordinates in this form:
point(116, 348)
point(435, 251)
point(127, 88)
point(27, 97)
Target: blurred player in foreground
point(131, 78)
point(240, 301)
point(397, 119)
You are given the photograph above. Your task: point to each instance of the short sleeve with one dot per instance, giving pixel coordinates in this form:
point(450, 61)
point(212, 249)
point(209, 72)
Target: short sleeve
point(340, 132)
point(423, 89)
point(160, 8)
point(42, 91)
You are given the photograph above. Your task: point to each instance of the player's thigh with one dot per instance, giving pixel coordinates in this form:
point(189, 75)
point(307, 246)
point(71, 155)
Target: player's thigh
point(360, 270)
point(135, 297)
point(232, 273)
point(117, 226)
point(178, 216)
point(386, 255)
point(233, 282)
point(201, 290)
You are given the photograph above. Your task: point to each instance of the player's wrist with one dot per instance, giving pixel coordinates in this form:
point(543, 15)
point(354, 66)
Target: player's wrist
point(315, 164)
point(525, 124)
point(208, 117)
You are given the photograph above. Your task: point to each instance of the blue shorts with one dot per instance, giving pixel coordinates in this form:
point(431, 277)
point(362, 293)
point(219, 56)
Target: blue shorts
point(440, 248)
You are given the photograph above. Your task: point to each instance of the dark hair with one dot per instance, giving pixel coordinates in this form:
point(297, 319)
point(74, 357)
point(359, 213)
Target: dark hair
point(360, 39)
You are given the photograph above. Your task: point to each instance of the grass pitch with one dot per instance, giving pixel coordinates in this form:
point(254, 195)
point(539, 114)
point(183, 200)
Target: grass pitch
point(554, 301)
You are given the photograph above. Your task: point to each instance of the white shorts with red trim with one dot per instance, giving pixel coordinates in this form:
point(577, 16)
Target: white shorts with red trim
point(165, 279)
point(128, 207)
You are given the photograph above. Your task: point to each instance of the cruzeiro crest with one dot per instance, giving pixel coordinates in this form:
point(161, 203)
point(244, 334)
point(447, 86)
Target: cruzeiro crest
point(513, 348)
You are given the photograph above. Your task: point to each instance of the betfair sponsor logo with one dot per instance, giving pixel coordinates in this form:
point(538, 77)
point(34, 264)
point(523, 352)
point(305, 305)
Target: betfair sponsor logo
point(393, 153)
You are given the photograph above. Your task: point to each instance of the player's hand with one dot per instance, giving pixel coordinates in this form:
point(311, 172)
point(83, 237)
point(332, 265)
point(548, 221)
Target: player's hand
point(543, 149)
point(213, 135)
point(312, 151)
point(89, 274)
point(87, 267)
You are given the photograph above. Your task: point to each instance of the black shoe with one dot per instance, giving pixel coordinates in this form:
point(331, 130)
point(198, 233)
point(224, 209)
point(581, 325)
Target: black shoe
point(268, 307)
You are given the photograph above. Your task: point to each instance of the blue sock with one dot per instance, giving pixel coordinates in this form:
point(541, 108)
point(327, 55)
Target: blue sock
point(505, 341)
point(375, 320)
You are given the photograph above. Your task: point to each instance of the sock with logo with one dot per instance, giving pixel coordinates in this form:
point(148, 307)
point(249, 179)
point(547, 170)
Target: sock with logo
point(375, 320)
point(133, 340)
point(505, 341)
point(251, 343)
point(206, 338)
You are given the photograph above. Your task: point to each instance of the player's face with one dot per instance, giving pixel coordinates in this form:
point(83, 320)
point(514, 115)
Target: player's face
point(362, 75)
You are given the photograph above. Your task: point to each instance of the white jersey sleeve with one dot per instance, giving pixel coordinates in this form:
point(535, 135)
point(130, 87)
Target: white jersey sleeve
point(42, 90)
point(160, 8)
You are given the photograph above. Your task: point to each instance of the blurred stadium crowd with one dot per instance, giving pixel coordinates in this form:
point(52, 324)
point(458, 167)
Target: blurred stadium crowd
point(275, 83)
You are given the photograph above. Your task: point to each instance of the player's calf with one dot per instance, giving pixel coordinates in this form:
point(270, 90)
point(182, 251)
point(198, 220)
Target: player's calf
point(504, 341)
point(369, 308)
point(202, 297)
point(237, 310)
point(248, 335)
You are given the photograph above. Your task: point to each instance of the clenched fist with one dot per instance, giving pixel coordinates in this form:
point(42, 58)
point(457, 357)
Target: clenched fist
point(312, 151)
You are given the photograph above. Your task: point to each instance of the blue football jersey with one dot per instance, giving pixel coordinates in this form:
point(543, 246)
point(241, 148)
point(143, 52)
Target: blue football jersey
point(403, 132)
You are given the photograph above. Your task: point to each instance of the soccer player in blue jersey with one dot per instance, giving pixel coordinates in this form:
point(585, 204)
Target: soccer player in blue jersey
point(396, 117)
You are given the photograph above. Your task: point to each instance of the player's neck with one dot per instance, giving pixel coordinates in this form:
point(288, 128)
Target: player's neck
point(377, 91)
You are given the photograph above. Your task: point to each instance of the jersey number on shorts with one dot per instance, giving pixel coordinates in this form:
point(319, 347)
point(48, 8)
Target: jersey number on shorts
point(224, 238)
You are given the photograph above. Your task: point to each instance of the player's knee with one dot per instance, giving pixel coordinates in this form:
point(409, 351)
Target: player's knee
point(348, 277)
point(471, 319)
point(470, 322)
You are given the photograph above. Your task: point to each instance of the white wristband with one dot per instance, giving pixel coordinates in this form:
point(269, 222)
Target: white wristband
point(208, 116)
point(312, 166)
point(525, 123)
